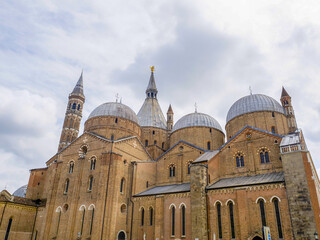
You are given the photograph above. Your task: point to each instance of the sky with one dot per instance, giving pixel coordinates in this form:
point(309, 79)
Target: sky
point(206, 51)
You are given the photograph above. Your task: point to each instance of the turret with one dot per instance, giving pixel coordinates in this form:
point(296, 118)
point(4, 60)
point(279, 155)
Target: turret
point(152, 91)
point(286, 103)
point(169, 118)
point(71, 125)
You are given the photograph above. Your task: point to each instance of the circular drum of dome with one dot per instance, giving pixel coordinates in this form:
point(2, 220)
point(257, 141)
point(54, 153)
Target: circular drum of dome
point(199, 129)
point(256, 110)
point(113, 120)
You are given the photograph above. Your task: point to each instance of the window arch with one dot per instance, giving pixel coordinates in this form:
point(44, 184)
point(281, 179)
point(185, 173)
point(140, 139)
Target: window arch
point(209, 145)
point(83, 151)
point(58, 210)
point(239, 156)
point(83, 209)
point(142, 216)
point(264, 155)
point(8, 228)
point(92, 208)
point(173, 214)
point(219, 219)
point(71, 166)
point(122, 185)
point(146, 143)
point(151, 215)
point(278, 218)
point(230, 205)
point(78, 107)
point(172, 170)
point(90, 183)
point(116, 120)
point(183, 220)
point(189, 167)
point(66, 186)
point(273, 129)
point(155, 142)
point(261, 202)
point(93, 163)
point(74, 105)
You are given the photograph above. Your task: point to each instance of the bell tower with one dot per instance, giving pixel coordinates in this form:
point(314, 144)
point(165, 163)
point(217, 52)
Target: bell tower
point(169, 118)
point(286, 103)
point(71, 125)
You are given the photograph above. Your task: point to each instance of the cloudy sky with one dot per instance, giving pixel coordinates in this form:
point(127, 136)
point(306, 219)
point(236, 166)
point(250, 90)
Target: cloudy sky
point(208, 52)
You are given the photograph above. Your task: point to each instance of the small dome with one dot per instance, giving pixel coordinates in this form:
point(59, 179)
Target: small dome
point(254, 103)
point(21, 192)
point(114, 109)
point(197, 120)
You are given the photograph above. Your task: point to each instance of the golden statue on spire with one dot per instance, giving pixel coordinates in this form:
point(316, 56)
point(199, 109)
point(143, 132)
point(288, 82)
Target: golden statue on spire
point(152, 69)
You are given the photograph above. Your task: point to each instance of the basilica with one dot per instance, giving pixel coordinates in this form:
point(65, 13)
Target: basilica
point(145, 176)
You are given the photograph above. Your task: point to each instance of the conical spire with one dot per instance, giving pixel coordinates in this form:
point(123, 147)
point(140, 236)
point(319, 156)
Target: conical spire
point(284, 93)
point(78, 89)
point(170, 109)
point(152, 88)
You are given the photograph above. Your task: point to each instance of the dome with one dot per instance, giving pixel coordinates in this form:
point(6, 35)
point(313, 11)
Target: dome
point(114, 109)
point(21, 192)
point(254, 103)
point(197, 120)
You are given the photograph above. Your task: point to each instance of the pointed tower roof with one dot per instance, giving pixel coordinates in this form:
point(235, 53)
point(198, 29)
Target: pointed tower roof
point(150, 114)
point(78, 89)
point(170, 109)
point(284, 93)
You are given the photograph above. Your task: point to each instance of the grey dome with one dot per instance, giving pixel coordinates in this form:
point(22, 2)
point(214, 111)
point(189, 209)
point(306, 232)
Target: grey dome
point(114, 109)
point(21, 192)
point(197, 120)
point(150, 114)
point(254, 103)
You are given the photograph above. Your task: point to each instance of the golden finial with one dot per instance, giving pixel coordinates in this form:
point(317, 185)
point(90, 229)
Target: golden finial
point(152, 69)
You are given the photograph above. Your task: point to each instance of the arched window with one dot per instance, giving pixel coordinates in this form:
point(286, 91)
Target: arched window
point(82, 220)
point(173, 213)
point(83, 151)
point(219, 220)
point(59, 218)
point(272, 114)
point(262, 212)
point(153, 132)
point(112, 137)
point(239, 159)
point(151, 216)
point(233, 234)
point(74, 106)
point(183, 220)
point(8, 229)
point(121, 236)
point(78, 107)
point(116, 120)
point(146, 143)
point(147, 184)
point(68, 138)
point(142, 216)
point(93, 163)
point(66, 187)
point(277, 212)
point(90, 183)
point(162, 145)
point(122, 185)
point(189, 167)
point(92, 216)
point(71, 166)
point(155, 142)
point(273, 129)
point(172, 170)
point(264, 156)
point(209, 145)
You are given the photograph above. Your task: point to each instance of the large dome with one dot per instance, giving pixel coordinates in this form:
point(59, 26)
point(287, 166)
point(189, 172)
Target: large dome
point(114, 109)
point(197, 120)
point(21, 192)
point(254, 103)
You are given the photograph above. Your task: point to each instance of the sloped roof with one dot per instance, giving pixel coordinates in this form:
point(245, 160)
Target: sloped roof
point(151, 115)
point(248, 180)
point(206, 156)
point(166, 189)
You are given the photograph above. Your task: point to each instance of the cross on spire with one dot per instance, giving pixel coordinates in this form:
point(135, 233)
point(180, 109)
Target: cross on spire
point(195, 107)
point(250, 90)
point(117, 97)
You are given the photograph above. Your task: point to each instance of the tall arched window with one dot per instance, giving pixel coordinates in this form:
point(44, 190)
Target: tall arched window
point(91, 208)
point(71, 166)
point(277, 212)
point(264, 156)
point(112, 137)
point(70, 123)
point(155, 142)
point(66, 188)
point(78, 107)
point(8, 229)
point(82, 220)
point(189, 167)
point(219, 220)
point(146, 143)
point(93, 163)
point(151, 216)
point(209, 145)
point(59, 218)
point(273, 129)
point(122, 185)
point(90, 183)
point(74, 105)
point(172, 170)
point(233, 234)
point(262, 212)
point(239, 159)
point(183, 220)
point(142, 216)
point(173, 214)
point(116, 120)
